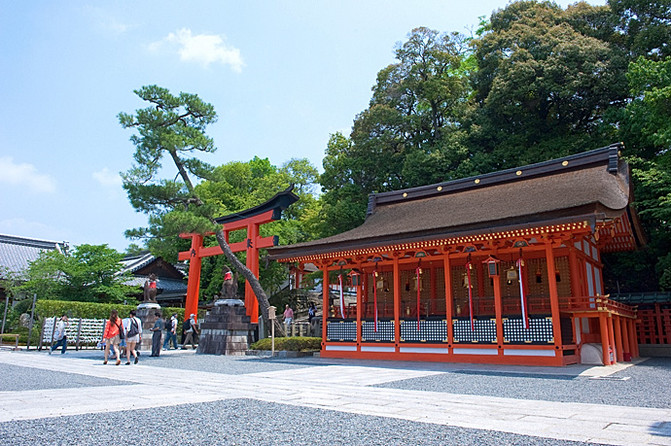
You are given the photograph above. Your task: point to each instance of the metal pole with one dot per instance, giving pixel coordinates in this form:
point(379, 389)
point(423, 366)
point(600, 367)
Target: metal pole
point(272, 338)
point(4, 316)
point(32, 321)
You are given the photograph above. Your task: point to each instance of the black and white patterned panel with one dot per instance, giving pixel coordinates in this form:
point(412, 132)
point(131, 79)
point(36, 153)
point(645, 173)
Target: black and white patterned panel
point(539, 331)
point(485, 330)
point(429, 331)
point(385, 331)
point(344, 331)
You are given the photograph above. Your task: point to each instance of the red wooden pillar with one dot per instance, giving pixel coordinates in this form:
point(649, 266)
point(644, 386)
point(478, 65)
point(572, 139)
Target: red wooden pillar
point(611, 338)
point(397, 302)
point(434, 292)
point(325, 304)
point(626, 345)
point(619, 348)
point(576, 278)
point(633, 339)
point(447, 270)
point(481, 287)
point(364, 294)
point(252, 262)
point(193, 284)
point(659, 325)
point(359, 301)
point(603, 329)
point(554, 296)
point(498, 309)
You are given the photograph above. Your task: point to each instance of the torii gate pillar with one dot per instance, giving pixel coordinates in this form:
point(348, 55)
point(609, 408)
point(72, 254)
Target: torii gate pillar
point(250, 220)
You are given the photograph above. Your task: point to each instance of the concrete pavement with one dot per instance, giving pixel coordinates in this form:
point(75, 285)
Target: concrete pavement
point(337, 387)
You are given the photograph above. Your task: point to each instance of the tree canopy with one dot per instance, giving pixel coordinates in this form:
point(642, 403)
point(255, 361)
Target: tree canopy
point(535, 81)
point(175, 127)
point(88, 273)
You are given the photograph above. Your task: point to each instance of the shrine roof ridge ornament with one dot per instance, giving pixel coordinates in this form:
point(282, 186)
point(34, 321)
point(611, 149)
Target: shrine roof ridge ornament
point(569, 163)
point(279, 202)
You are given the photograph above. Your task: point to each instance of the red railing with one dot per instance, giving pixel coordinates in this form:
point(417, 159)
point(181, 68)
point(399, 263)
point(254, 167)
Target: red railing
point(484, 306)
point(654, 325)
point(588, 304)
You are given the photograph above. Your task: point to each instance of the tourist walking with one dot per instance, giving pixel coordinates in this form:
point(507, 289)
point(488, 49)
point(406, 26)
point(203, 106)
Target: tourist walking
point(112, 336)
point(170, 332)
point(312, 313)
point(288, 317)
point(191, 330)
point(156, 336)
point(133, 327)
point(60, 334)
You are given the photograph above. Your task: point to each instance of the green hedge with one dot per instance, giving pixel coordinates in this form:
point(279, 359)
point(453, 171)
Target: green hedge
point(293, 344)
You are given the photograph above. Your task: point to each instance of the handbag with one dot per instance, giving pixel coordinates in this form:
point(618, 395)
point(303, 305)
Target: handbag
point(122, 333)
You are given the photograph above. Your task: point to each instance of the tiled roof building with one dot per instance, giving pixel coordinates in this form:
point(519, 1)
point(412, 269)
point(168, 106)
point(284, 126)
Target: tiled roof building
point(16, 253)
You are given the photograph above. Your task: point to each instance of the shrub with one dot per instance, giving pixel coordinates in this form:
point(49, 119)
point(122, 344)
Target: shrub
point(294, 344)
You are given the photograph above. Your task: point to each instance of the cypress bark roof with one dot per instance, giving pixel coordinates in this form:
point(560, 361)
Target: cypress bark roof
point(592, 186)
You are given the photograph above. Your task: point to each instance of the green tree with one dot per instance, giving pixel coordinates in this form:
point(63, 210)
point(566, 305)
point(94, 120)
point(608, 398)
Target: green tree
point(174, 126)
point(410, 133)
point(547, 82)
point(237, 186)
point(88, 273)
point(646, 129)
point(645, 25)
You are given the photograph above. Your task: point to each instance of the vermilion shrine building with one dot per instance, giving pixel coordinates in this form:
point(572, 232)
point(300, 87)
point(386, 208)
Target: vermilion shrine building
point(499, 268)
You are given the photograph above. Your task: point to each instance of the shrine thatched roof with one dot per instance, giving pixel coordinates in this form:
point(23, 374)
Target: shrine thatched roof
point(590, 186)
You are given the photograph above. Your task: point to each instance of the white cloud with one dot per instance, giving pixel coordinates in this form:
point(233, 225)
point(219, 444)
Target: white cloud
point(21, 227)
point(205, 49)
point(107, 178)
point(25, 175)
point(106, 22)
point(110, 181)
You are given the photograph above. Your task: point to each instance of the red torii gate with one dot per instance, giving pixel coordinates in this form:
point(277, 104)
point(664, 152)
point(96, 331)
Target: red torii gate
point(251, 220)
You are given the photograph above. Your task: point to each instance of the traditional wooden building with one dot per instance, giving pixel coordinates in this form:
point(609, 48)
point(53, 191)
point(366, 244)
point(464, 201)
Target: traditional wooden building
point(499, 268)
point(171, 284)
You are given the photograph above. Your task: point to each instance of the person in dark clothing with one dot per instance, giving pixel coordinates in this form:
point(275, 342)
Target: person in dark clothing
point(157, 329)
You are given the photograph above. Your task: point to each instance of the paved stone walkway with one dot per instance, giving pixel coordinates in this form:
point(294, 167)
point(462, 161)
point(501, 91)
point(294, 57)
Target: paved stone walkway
point(344, 388)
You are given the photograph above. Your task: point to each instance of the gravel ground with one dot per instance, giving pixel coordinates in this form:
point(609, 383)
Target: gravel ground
point(247, 422)
point(234, 365)
point(647, 385)
point(15, 378)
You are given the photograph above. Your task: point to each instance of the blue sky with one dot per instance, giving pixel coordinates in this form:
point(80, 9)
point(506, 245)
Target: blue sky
point(282, 75)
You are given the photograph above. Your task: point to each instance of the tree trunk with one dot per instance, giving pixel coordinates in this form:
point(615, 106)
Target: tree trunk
point(261, 297)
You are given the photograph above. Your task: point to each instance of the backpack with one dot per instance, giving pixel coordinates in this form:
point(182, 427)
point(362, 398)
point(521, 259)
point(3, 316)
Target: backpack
point(133, 329)
point(186, 326)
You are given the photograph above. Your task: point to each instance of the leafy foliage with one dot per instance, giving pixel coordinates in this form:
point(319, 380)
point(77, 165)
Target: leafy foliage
point(535, 82)
point(545, 85)
point(89, 273)
point(237, 186)
point(410, 133)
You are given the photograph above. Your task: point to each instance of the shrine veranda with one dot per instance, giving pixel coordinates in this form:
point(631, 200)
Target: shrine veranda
point(501, 268)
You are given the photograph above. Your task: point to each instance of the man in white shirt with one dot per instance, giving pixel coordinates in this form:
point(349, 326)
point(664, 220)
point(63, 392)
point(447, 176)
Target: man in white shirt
point(191, 329)
point(170, 332)
point(60, 334)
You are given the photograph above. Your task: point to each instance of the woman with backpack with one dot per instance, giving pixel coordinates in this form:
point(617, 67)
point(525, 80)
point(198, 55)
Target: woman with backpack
point(133, 327)
point(112, 335)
